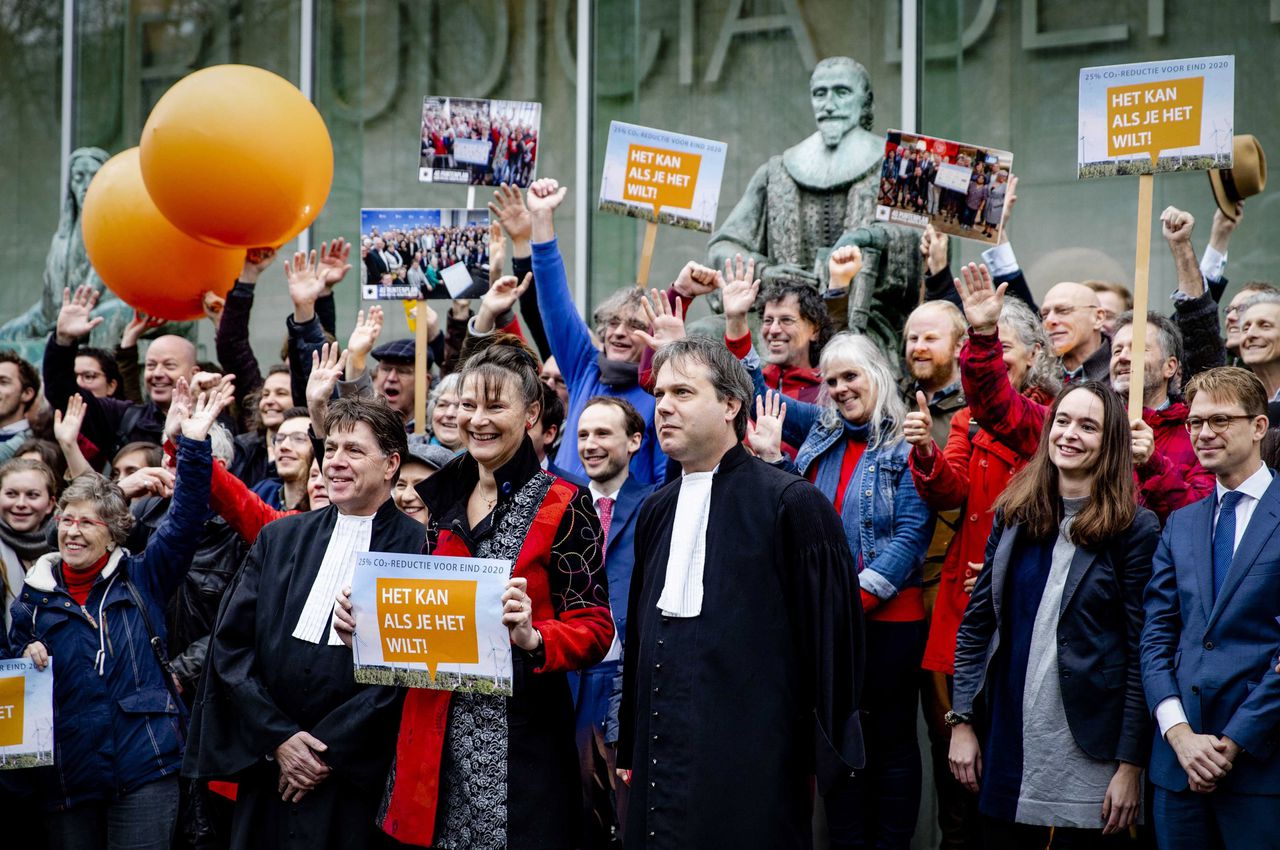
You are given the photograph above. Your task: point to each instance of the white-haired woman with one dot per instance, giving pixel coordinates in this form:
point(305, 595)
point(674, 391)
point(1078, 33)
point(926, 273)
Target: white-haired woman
point(851, 448)
point(93, 608)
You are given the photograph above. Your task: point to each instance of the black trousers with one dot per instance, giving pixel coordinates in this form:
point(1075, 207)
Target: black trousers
point(877, 808)
point(1003, 835)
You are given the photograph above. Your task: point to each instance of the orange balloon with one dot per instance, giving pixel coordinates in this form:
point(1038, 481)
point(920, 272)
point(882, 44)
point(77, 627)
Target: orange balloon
point(237, 156)
point(152, 265)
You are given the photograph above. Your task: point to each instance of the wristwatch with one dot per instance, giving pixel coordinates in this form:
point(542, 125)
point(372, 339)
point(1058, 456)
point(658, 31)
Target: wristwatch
point(953, 718)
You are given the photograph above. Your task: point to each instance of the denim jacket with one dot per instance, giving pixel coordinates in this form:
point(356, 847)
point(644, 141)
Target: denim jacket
point(889, 533)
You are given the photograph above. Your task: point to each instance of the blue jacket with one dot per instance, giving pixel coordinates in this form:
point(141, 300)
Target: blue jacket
point(576, 356)
point(116, 727)
point(888, 533)
point(1217, 655)
point(598, 689)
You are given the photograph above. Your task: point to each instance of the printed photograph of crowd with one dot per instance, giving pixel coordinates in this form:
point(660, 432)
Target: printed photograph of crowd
point(960, 189)
point(408, 253)
point(478, 142)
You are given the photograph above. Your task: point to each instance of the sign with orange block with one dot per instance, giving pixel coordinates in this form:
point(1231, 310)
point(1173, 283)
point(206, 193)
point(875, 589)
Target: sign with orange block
point(426, 621)
point(1153, 117)
point(26, 714)
point(662, 177)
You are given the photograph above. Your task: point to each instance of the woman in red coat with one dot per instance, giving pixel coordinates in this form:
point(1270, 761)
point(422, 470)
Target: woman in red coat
point(975, 467)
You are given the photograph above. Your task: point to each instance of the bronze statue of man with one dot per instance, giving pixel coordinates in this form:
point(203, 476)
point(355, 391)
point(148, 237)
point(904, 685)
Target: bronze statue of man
point(820, 194)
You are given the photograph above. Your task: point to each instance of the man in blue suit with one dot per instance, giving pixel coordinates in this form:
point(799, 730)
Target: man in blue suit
point(610, 431)
point(1211, 634)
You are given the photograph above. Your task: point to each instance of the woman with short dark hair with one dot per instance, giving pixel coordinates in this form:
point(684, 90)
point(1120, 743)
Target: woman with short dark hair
point(1050, 726)
point(476, 770)
point(93, 608)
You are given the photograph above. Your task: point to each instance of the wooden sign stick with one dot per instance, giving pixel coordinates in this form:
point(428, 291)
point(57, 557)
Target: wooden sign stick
point(420, 370)
point(646, 254)
point(1142, 267)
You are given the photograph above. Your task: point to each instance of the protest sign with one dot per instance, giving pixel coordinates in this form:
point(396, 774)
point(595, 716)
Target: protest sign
point(436, 240)
point(1153, 117)
point(26, 714)
point(425, 621)
point(476, 142)
point(957, 187)
point(662, 178)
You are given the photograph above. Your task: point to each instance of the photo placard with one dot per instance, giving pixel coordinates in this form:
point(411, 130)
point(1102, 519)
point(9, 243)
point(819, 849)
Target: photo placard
point(411, 254)
point(957, 187)
point(477, 142)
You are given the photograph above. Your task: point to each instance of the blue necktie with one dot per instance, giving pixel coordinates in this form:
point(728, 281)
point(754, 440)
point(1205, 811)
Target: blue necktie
point(1224, 538)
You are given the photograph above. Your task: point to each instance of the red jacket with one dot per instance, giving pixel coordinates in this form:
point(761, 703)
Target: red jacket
point(1172, 477)
point(1012, 418)
point(969, 474)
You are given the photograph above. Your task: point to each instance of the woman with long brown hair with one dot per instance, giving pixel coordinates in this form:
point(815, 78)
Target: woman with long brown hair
point(1048, 676)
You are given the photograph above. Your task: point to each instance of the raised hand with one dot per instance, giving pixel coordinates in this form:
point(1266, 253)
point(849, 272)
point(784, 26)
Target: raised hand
point(696, 279)
point(256, 261)
point(305, 285)
point(213, 304)
point(843, 266)
point(66, 426)
point(1176, 225)
point(138, 325)
point(327, 368)
point(741, 286)
point(148, 481)
point(917, 427)
point(764, 436)
point(364, 336)
point(933, 247)
point(1223, 226)
point(74, 319)
point(982, 300)
point(497, 252)
point(545, 195)
point(500, 298)
point(667, 323)
point(1006, 215)
point(205, 412)
point(333, 265)
point(508, 208)
point(179, 409)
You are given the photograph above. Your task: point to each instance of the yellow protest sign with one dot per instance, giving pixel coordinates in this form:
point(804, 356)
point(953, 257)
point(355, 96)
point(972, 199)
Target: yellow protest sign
point(12, 704)
point(663, 178)
point(1156, 117)
point(1151, 117)
point(431, 621)
point(426, 620)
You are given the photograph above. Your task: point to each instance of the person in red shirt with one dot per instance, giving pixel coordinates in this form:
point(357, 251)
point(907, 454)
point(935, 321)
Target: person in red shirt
point(1168, 474)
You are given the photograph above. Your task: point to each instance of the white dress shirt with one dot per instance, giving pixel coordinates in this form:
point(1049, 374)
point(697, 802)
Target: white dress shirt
point(351, 535)
point(1169, 712)
point(682, 590)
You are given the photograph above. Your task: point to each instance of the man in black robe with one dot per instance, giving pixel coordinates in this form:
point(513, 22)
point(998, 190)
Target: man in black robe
point(280, 712)
point(744, 638)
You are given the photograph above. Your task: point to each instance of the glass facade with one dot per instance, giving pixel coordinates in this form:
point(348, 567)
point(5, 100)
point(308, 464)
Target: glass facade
point(998, 73)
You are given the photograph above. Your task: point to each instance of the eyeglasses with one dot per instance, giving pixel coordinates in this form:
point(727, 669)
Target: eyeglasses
point(297, 438)
point(1218, 423)
point(69, 522)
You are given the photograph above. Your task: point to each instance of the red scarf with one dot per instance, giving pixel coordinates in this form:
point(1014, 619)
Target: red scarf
point(80, 582)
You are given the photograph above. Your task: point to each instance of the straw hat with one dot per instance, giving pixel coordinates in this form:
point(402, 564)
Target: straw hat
point(1246, 177)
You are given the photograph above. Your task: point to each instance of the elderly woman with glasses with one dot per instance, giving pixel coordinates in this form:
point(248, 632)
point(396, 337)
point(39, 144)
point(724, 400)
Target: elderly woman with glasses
point(92, 609)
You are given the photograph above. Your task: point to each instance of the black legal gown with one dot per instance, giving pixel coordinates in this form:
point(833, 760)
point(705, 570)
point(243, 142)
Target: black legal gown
point(728, 714)
point(263, 685)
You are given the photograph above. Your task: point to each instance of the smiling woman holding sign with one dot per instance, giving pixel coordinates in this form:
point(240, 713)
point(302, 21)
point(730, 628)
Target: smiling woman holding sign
point(477, 770)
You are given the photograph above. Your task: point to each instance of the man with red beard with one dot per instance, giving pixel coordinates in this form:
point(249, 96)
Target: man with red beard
point(1169, 475)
